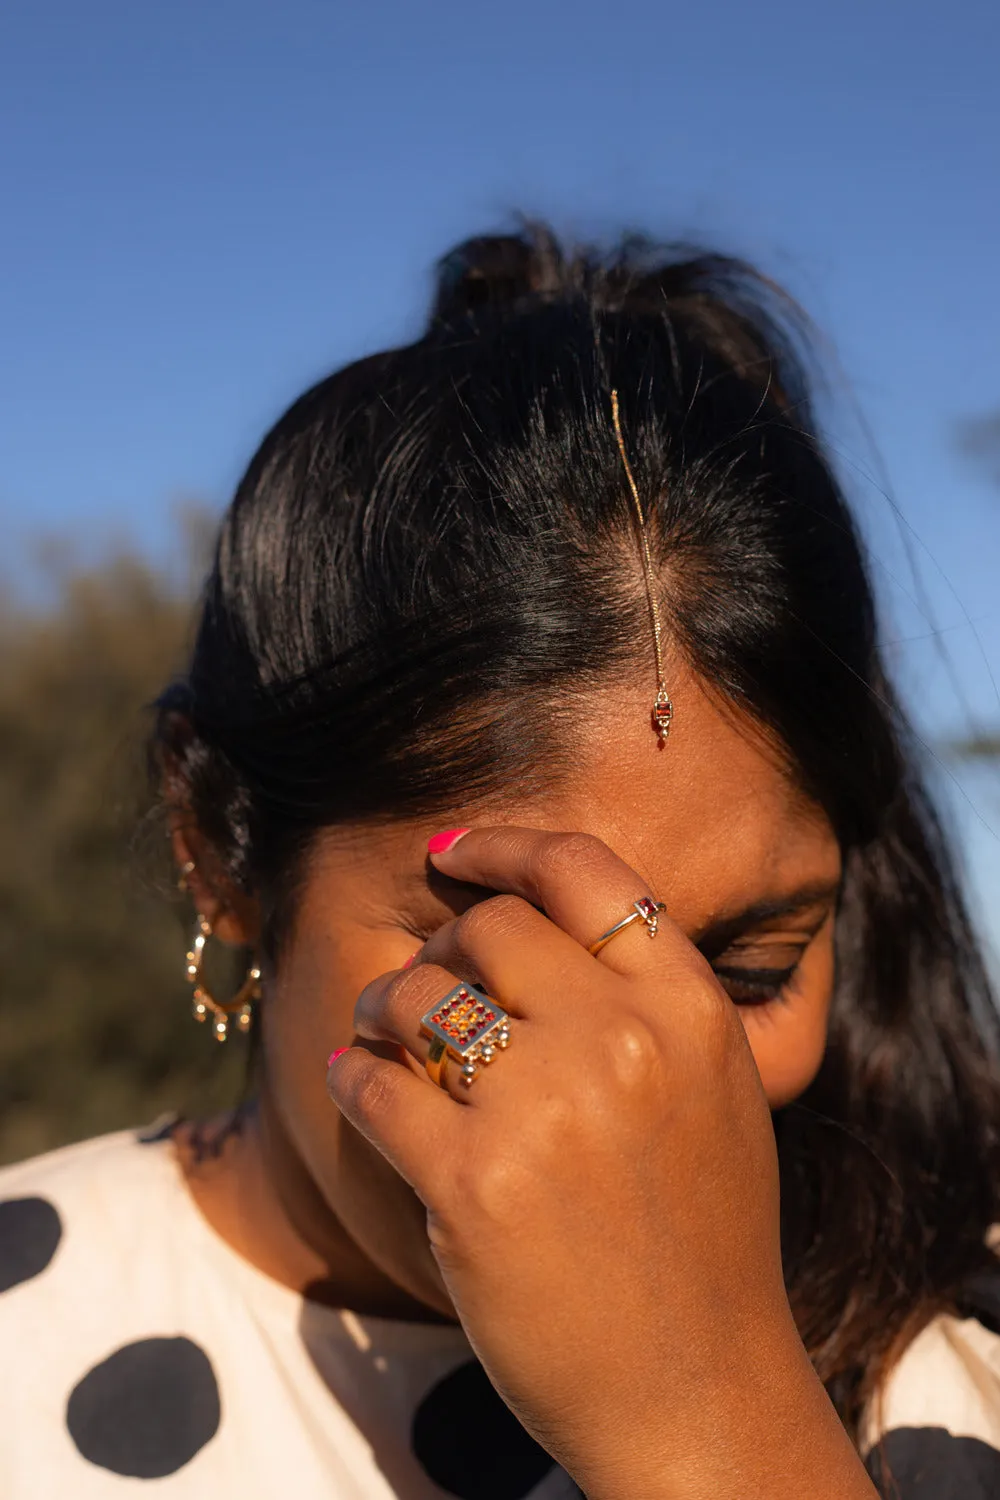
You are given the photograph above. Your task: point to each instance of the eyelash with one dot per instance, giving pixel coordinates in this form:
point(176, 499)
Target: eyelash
point(744, 986)
point(756, 986)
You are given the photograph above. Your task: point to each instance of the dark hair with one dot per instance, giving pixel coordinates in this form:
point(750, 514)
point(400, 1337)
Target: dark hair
point(433, 553)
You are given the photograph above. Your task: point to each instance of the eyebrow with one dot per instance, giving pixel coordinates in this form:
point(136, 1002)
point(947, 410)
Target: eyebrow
point(722, 930)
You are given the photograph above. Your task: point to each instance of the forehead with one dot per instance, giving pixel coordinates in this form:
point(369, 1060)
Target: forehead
point(713, 822)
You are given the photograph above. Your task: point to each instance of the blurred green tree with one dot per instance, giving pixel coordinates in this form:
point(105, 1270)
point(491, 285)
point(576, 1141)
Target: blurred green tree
point(979, 440)
point(95, 1024)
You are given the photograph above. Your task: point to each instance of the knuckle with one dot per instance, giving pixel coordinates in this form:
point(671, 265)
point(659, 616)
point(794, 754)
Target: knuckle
point(394, 1006)
point(390, 1012)
point(632, 1051)
point(486, 920)
point(565, 854)
point(371, 1094)
point(503, 1181)
point(497, 1188)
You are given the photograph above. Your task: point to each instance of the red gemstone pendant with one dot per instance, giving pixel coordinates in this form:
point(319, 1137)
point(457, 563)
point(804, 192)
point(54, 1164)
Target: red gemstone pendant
point(662, 714)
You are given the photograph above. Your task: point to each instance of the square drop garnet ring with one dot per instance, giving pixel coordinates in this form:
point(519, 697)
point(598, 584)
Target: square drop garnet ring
point(644, 910)
point(467, 1026)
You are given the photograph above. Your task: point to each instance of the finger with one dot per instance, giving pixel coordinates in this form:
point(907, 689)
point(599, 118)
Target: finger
point(513, 951)
point(581, 884)
point(413, 1125)
point(393, 1008)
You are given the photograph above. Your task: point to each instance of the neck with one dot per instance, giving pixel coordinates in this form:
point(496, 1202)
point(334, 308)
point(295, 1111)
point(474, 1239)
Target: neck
point(256, 1193)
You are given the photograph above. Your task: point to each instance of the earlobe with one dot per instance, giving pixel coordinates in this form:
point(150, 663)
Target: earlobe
point(231, 928)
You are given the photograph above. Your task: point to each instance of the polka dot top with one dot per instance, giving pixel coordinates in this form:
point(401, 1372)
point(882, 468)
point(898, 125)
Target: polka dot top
point(136, 1346)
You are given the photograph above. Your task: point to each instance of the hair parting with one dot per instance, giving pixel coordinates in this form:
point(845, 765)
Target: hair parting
point(663, 710)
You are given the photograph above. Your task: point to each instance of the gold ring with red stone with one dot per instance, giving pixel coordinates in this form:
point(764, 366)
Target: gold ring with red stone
point(644, 910)
point(469, 1027)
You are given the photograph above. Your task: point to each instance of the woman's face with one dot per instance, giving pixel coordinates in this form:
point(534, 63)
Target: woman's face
point(712, 825)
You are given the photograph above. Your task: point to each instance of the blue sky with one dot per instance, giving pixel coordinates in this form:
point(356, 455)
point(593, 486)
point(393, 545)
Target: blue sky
point(208, 204)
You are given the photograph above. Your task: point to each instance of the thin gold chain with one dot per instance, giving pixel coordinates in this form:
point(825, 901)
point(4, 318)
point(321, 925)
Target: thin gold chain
point(647, 561)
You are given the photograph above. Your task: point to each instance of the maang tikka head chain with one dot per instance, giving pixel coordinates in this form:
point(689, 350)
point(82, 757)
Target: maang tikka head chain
point(663, 710)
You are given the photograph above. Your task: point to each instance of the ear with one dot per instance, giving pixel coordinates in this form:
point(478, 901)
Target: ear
point(233, 916)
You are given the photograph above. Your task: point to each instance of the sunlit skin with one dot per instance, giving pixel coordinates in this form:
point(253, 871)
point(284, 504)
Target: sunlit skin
point(623, 1141)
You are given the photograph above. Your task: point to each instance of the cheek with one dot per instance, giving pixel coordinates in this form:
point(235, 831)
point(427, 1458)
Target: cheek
point(788, 1038)
point(308, 1013)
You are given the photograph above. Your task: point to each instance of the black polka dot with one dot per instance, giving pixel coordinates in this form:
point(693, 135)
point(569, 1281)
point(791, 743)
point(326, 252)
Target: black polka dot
point(147, 1409)
point(30, 1231)
point(928, 1463)
point(979, 1297)
point(471, 1444)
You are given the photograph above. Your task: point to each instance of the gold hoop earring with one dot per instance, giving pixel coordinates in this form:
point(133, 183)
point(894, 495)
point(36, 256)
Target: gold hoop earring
point(204, 1002)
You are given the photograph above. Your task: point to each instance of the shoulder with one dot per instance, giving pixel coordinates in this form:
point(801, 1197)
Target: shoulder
point(99, 1183)
point(73, 1217)
point(103, 1291)
point(126, 1155)
point(936, 1434)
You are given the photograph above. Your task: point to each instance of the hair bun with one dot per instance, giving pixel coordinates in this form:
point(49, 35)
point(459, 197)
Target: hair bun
point(495, 270)
point(725, 305)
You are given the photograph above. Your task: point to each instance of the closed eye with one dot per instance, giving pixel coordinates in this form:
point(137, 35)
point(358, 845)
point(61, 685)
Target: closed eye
point(755, 986)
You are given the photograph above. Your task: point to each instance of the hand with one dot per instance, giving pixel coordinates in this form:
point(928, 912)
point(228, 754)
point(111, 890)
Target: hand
point(603, 1201)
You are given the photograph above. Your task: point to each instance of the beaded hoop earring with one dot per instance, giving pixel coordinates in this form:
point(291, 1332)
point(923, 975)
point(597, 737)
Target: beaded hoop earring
point(204, 1002)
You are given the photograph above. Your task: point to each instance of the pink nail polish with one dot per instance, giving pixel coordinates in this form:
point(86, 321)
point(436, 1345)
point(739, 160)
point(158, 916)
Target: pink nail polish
point(334, 1055)
point(442, 842)
point(410, 959)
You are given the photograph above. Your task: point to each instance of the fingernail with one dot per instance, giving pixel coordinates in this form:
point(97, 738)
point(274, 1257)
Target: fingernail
point(442, 842)
point(334, 1055)
point(410, 959)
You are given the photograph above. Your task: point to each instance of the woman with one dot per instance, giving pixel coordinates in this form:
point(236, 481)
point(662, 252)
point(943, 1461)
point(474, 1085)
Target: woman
point(537, 745)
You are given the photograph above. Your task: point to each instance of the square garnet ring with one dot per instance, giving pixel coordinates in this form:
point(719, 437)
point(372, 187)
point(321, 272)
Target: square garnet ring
point(467, 1026)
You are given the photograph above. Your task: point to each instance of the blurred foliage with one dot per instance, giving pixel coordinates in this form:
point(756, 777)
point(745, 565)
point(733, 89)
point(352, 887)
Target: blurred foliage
point(95, 1024)
point(979, 440)
point(981, 746)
